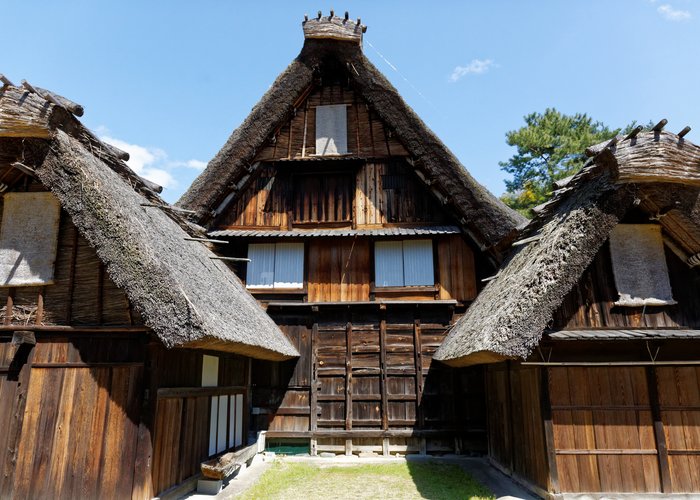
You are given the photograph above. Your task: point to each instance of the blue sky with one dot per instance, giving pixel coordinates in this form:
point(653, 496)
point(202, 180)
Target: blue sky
point(171, 80)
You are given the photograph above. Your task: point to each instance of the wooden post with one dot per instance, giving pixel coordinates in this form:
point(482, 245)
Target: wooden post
point(348, 386)
point(509, 418)
point(9, 305)
point(313, 418)
point(546, 410)
point(659, 435)
point(419, 371)
point(382, 367)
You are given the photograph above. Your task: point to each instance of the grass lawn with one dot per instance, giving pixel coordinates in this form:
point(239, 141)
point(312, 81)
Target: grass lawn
point(287, 480)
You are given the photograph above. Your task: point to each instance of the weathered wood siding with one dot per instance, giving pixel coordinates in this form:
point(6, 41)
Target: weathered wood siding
point(631, 429)
point(72, 420)
point(339, 269)
point(590, 302)
point(516, 433)
point(362, 194)
point(457, 272)
point(183, 410)
point(367, 136)
point(679, 404)
point(603, 429)
point(389, 192)
point(366, 372)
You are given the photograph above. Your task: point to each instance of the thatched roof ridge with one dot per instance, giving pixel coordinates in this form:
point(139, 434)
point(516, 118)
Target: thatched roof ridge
point(509, 316)
point(184, 295)
point(483, 215)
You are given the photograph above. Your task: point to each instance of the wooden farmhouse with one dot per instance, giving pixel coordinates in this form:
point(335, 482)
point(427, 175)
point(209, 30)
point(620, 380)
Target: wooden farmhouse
point(367, 239)
point(125, 344)
point(336, 281)
point(591, 329)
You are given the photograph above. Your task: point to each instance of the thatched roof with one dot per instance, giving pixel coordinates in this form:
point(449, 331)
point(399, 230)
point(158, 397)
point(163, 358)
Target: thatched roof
point(657, 171)
point(481, 214)
point(184, 295)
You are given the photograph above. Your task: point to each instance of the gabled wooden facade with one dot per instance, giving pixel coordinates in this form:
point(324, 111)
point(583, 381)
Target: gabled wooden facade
point(605, 398)
point(116, 378)
point(334, 176)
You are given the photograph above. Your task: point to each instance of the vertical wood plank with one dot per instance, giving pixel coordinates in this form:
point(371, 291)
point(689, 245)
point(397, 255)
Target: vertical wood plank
point(546, 409)
point(659, 435)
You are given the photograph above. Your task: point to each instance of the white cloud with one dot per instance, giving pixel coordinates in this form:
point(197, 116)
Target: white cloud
point(475, 67)
point(671, 14)
point(152, 163)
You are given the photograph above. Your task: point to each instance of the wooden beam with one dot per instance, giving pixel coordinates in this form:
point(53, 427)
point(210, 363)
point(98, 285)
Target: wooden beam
point(660, 126)
point(24, 169)
point(546, 410)
point(659, 434)
point(196, 392)
point(228, 463)
point(6, 81)
point(382, 365)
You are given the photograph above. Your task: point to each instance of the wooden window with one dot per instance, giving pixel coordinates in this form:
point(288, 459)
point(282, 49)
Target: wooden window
point(226, 411)
point(28, 239)
point(639, 266)
point(210, 371)
point(404, 263)
point(331, 130)
point(275, 265)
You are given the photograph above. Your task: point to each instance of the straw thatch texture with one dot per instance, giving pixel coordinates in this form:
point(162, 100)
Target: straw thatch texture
point(187, 298)
point(655, 171)
point(508, 317)
point(485, 217)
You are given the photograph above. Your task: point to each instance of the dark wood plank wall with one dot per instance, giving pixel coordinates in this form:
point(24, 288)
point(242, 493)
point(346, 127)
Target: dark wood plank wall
point(367, 135)
point(367, 371)
point(72, 423)
point(389, 193)
point(515, 431)
point(182, 410)
point(373, 194)
point(339, 269)
point(613, 429)
point(456, 269)
point(590, 302)
point(603, 429)
point(679, 405)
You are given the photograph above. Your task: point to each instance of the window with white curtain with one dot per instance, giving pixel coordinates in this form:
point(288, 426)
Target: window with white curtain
point(403, 263)
point(331, 130)
point(275, 265)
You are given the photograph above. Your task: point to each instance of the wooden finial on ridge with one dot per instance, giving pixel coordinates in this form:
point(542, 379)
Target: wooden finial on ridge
point(683, 132)
point(660, 126)
point(636, 130)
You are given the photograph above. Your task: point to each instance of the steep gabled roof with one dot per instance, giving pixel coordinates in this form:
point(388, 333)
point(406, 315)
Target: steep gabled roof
point(658, 171)
point(481, 214)
point(184, 295)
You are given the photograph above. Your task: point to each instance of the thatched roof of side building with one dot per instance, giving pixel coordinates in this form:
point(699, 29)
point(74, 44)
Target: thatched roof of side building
point(188, 298)
point(481, 214)
point(657, 171)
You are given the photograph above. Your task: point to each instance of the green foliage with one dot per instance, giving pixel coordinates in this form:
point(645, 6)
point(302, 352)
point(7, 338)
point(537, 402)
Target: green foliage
point(550, 147)
point(405, 480)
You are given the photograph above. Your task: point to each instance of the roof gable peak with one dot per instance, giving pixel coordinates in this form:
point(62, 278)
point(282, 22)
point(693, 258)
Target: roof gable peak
point(333, 28)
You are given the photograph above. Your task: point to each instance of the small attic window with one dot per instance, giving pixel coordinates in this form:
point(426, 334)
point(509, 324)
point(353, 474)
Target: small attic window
point(331, 130)
point(28, 239)
point(639, 266)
